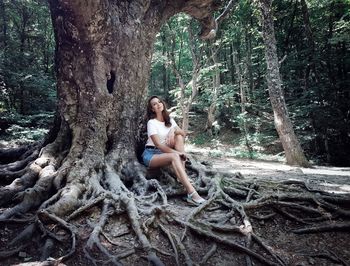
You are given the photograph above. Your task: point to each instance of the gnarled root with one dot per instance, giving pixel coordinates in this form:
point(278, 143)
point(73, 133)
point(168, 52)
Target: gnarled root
point(68, 200)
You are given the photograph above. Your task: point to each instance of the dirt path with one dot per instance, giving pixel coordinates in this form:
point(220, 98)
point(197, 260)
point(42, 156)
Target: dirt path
point(331, 179)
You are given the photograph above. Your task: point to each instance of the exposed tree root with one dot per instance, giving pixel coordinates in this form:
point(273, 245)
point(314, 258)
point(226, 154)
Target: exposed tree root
point(50, 262)
point(54, 190)
point(324, 228)
point(95, 241)
point(327, 255)
point(183, 250)
point(9, 253)
point(16, 154)
point(171, 240)
point(68, 227)
point(18, 165)
point(210, 253)
point(225, 241)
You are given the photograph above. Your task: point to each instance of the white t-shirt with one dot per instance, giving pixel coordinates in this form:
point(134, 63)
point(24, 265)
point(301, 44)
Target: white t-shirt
point(155, 127)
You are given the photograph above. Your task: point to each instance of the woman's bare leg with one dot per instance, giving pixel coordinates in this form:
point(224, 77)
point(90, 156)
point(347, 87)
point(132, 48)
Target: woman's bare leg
point(180, 145)
point(174, 159)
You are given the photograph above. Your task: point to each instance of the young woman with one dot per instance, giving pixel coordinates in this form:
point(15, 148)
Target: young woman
point(165, 145)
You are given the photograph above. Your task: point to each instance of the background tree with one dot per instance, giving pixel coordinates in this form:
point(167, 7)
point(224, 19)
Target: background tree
point(188, 89)
point(26, 58)
point(292, 148)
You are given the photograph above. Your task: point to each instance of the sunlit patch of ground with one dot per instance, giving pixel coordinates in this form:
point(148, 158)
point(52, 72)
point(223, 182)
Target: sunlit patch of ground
point(330, 179)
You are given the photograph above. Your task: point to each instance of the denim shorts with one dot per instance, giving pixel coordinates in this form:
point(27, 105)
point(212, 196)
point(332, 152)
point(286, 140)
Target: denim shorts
point(147, 155)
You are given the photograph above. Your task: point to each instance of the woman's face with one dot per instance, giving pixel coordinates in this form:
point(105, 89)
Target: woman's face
point(157, 105)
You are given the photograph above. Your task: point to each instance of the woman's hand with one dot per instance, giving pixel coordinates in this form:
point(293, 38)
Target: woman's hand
point(182, 155)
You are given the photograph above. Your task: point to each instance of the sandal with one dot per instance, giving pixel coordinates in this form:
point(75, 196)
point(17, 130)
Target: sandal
point(191, 200)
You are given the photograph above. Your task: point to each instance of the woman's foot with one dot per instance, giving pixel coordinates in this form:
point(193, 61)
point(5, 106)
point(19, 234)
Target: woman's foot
point(194, 198)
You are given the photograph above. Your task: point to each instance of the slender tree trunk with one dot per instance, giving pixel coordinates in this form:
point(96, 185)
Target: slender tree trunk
point(248, 42)
point(164, 69)
point(22, 100)
point(249, 65)
point(242, 90)
point(180, 81)
point(311, 43)
point(185, 102)
point(307, 25)
point(4, 24)
point(291, 145)
point(214, 95)
point(290, 29)
point(232, 64)
point(328, 46)
point(196, 65)
point(47, 48)
point(23, 29)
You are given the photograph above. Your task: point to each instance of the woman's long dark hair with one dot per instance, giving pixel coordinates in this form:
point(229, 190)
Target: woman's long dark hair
point(151, 114)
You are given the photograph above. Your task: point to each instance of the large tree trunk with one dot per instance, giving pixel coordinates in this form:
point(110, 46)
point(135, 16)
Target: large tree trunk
point(103, 57)
point(103, 62)
point(291, 146)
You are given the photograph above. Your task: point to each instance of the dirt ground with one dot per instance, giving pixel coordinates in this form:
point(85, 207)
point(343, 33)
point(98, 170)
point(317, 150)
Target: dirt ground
point(295, 249)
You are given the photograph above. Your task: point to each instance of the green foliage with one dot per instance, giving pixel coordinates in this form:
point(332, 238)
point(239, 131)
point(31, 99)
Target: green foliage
point(26, 135)
point(201, 139)
point(216, 154)
point(241, 153)
point(23, 129)
point(26, 58)
point(315, 78)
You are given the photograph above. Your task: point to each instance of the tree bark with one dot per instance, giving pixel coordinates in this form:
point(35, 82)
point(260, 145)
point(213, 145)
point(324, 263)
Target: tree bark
point(328, 47)
point(290, 143)
point(311, 44)
point(248, 42)
point(102, 58)
point(290, 28)
point(186, 102)
point(243, 95)
point(164, 69)
point(214, 94)
point(4, 24)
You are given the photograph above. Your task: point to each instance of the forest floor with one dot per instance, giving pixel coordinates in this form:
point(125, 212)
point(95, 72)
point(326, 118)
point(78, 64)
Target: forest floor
point(326, 248)
point(301, 249)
